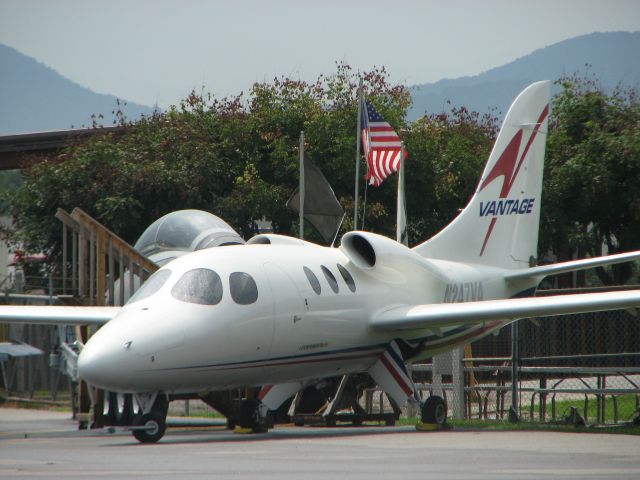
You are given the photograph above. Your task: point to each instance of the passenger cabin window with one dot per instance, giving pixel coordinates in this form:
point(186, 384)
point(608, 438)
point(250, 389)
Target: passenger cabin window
point(333, 283)
point(151, 286)
point(201, 285)
point(244, 290)
point(348, 279)
point(313, 280)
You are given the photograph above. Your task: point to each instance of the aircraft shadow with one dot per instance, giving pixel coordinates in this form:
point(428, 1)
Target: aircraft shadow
point(219, 435)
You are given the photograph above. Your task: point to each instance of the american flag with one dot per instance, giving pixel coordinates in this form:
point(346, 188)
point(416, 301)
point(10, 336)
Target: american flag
point(381, 145)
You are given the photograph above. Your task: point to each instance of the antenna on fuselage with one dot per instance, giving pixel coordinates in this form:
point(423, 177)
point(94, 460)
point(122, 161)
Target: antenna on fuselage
point(344, 215)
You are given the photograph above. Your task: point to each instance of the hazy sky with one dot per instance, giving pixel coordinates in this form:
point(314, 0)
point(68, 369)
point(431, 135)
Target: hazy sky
point(151, 51)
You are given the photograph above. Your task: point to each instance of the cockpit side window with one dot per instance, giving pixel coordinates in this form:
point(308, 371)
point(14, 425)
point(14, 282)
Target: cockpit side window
point(313, 280)
point(244, 290)
point(151, 286)
point(331, 279)
point(201, 285)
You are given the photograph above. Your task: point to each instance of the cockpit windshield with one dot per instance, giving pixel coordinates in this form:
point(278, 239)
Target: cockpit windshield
point(201, 285)
point(151, 286)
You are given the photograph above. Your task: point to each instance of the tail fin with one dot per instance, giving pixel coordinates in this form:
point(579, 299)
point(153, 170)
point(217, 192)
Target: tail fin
point(499, 226)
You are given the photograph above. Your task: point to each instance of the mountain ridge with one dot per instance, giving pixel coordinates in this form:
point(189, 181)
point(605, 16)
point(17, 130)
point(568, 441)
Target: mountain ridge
point(34, 97)
point(609, 57)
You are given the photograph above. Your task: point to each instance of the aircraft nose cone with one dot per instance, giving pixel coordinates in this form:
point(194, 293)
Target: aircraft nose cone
point(100, 362)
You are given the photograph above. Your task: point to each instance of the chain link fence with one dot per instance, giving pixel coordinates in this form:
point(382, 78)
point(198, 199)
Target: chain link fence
point(583, 369)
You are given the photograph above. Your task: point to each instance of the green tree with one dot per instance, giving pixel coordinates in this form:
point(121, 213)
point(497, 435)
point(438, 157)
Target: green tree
point(235, 157)
point(447, 153)
point(591, 201)
point(10, 181)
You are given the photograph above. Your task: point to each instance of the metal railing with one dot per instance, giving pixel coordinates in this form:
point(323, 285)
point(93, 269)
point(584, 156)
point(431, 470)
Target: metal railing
point(546, 393)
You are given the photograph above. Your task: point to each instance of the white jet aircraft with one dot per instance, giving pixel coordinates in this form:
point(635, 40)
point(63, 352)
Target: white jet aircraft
point(283, 312)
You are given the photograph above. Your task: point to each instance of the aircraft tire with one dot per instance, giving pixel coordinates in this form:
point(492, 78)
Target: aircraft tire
point(157, 426)
point(434, 410)
point(250, 417)
point(231, 423)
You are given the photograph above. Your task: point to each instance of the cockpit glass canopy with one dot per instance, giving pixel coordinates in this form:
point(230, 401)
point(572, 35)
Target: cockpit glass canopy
point(151, 286)
point(186, 230)
point(201, 285)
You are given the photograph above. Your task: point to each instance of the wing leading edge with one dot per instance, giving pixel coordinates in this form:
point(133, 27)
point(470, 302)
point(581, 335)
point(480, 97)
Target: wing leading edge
point(56, 314)
point(439, 315)
point(544, 270)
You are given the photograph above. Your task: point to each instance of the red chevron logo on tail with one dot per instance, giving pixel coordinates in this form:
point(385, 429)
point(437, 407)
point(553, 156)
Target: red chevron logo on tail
point(507, 168)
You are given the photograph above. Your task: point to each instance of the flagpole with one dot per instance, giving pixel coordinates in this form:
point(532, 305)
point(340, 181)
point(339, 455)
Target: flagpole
point(301, 188)
point(358, 140)
point(401, 213)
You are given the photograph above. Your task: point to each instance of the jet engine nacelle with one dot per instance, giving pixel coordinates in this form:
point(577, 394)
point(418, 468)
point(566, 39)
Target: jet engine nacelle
point(368, 250)
point(373, 252)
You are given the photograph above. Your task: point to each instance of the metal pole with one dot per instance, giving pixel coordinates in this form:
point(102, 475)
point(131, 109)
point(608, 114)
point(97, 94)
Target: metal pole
point(358, 139)
point(515, 354)
point(301, 189)
point(64, 258)
point(401, 212)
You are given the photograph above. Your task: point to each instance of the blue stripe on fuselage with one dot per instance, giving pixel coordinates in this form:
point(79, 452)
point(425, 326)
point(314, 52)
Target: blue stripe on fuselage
point(323, 356)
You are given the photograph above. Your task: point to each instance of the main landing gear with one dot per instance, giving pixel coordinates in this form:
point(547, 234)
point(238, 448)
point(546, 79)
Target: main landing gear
point(434, 411)
point(254, 416)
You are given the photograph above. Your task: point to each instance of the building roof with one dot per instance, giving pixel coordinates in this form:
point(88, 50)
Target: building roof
point(14, 149)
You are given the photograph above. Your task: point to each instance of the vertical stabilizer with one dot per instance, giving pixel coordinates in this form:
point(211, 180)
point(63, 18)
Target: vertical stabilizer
point(499, 226)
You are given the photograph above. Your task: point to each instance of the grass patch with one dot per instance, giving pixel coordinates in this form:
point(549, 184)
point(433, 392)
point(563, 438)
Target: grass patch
point(41, 400)
point(627, 405)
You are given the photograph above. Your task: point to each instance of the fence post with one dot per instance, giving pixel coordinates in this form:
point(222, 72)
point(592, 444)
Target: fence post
point(514, 414)
point(458, 383)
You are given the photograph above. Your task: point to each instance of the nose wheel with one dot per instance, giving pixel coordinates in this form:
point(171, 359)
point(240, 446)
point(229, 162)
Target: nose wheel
point(150, 427)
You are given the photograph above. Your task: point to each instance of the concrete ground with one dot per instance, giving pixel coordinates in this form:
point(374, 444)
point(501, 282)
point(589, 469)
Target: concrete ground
point(43, 444)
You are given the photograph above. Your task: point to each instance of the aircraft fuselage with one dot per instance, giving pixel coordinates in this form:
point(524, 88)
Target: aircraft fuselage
point(307, 317)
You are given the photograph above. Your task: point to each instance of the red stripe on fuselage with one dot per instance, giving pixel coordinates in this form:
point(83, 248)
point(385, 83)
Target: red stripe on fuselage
point(396, 376)
point(264, 391)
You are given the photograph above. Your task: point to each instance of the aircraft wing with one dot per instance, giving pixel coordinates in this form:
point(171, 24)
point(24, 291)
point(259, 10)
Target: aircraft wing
point(56, 314)
point(564, 267)
point(438, 315)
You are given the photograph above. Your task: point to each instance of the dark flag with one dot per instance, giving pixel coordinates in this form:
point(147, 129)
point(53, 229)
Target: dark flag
point(321, 207)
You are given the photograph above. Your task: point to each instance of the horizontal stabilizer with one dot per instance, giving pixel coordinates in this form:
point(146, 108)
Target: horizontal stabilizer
point(56, 314)
point(572, 266)
point(439, 315)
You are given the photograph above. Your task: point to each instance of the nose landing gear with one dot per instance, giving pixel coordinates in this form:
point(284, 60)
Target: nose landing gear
point(150, 425)
point(149, 428)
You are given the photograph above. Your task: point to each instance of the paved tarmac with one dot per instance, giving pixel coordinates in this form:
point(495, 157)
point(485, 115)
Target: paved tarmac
point(41, 444)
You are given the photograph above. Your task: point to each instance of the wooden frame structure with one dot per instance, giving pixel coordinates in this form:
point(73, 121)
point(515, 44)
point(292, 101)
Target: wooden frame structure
point(91, 266)
point(98, 258)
